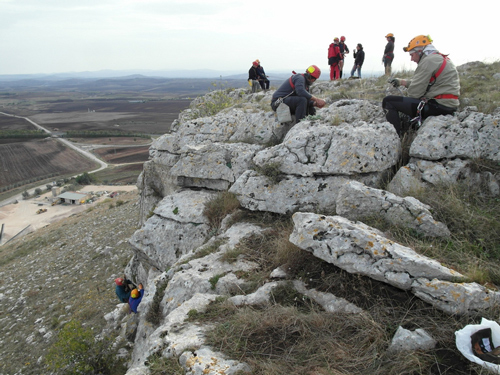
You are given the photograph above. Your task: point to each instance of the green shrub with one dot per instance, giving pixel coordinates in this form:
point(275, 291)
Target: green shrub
point(77, 351)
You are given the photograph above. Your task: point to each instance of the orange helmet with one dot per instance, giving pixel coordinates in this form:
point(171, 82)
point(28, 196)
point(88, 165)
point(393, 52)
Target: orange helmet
point(335, 39)
point(342, 38)
point(418, 41)
point(390, 35)
point(314, 71)
point(134, 293)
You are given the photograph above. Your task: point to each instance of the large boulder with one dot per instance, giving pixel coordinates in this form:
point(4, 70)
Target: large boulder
point(356, 201)
point(176, 228)
point(316, 148)
point(360, 249)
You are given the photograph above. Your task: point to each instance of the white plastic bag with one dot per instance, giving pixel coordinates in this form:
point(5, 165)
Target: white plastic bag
point(283, 113)
point(463, 342)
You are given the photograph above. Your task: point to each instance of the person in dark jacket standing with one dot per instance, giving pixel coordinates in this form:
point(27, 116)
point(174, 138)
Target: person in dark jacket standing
point(294, 92)
point(253, 76)
point(344, 50)
point(334, 59)
point(359, 58)
point(433, 90)
point(388, 53)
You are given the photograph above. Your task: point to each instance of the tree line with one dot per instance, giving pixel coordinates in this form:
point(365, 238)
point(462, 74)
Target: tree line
point(18, 133)
point(102, 133)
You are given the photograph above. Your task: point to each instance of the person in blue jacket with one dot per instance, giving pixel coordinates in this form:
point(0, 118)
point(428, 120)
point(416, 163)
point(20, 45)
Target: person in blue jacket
point(135, 298)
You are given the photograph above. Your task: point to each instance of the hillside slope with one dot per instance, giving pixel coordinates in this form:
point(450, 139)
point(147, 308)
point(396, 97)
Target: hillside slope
point(61, 272)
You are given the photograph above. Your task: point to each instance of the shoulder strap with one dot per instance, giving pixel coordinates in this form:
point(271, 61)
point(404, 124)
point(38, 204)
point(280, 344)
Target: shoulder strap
point(440, 70)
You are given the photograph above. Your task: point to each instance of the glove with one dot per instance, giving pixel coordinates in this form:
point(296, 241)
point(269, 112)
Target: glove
point(394, 81)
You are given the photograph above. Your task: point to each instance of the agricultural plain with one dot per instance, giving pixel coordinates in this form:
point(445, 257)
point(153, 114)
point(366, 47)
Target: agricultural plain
point(116, 121)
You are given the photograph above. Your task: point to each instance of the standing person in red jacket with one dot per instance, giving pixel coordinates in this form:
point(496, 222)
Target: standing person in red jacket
point(388, 53)
point(334, 59)
point(344, 50)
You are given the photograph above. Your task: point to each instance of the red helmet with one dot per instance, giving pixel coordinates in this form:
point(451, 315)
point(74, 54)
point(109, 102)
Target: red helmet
point(342, 38)
point(314, 71)
point(255, 63)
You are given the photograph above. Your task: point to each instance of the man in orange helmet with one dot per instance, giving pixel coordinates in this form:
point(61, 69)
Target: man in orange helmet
point(388, 53)
point(433, 91)
point(294, 92)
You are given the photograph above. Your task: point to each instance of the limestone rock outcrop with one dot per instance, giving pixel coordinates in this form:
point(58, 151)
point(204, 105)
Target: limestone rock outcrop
point(327, 171)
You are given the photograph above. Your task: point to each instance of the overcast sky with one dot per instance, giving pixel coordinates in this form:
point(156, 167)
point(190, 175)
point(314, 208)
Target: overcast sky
point(55, 36)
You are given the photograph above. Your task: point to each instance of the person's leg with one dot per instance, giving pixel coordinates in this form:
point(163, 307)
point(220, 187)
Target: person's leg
point(395, 104)
point(262, 84)
point(432, 108)
point(267, 84)
point(341, 68)
point(331, 73)
point(388, 69)
point(359, 72)
point(298, 106)
point(353, 70)
point(336, 72)
point(255, 83)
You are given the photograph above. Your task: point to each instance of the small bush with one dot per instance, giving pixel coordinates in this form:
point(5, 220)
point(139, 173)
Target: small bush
point(77, 351)
point(154, 314)
point(271, 171)
point(159, 365)
point(217, 208)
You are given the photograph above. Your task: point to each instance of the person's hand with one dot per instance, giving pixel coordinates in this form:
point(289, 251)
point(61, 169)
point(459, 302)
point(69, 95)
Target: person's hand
point(320, 103)
point(394, 81)
point(140, 286)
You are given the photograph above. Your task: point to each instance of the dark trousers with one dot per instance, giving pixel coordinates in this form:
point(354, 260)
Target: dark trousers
point(299, 106)
point(395, 104)
point(264, 84)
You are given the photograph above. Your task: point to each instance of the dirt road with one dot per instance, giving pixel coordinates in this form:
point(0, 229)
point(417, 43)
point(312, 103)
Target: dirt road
point(20, 216)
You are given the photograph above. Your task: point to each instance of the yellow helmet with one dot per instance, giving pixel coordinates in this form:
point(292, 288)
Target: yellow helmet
point(390, 35)
point(418, 41)
point(135, 293)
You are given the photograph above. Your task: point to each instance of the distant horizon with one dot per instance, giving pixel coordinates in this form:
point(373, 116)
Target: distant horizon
point(166, 73)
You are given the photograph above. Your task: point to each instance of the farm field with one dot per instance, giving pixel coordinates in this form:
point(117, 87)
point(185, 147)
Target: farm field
point(154, 117)
point(14, 123)
point(137, 106)
point(117, 155)
point(39, 159)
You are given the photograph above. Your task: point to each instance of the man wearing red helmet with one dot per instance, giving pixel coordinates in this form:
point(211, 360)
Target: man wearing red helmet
point(294, 92)
point(253, 76)
point(344, 50)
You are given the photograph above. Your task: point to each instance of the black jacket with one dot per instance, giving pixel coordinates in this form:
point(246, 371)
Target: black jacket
point(359, 57)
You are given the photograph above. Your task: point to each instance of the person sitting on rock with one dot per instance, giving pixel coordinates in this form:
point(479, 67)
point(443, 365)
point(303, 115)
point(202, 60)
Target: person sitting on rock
point(135, 298)
point(433, 90)
point(123, 288)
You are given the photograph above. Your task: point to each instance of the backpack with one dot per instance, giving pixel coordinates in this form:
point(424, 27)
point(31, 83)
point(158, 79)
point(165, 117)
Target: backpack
point(483, 347)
